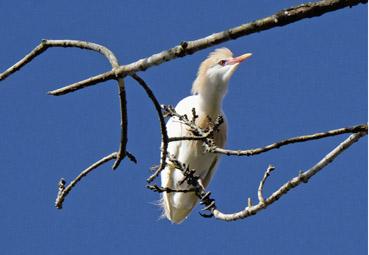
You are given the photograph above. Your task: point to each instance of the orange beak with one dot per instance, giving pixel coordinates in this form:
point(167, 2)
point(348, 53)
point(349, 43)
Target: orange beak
point(239, 59)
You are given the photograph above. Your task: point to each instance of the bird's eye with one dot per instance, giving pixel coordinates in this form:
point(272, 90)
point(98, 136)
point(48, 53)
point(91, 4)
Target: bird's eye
point(222, 62)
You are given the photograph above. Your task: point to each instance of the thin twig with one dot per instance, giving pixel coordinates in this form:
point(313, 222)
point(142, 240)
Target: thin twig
point(156, 188)
point(163, 128)
point(186, 138)
point(26, 59)
point(202, 134)
point(123, 125)
point(298, 139)
point(45, 44)
point(193, 180)
point(262, 182)
point(303, 177)
point(169, 111)
point(64, 191)
point(281, 18)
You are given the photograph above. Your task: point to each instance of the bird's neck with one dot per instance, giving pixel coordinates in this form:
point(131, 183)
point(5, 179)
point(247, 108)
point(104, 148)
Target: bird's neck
point(211, 97)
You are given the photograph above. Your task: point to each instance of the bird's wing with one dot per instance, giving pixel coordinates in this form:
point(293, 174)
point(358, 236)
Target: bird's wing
point(221, 135)
point(220, 140)
point(175, 128)
point(211, 172)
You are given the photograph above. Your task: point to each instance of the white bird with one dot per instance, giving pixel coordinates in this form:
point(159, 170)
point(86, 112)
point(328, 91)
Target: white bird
point(208, 91)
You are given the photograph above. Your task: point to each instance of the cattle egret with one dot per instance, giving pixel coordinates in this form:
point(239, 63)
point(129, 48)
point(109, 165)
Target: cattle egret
point(208, 91)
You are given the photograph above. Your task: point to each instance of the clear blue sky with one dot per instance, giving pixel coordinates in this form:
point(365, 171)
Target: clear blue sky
point(307, 77)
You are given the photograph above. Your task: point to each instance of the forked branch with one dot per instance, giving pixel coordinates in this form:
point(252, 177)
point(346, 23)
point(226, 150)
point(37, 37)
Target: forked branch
point(122, 152)
point(45, 44)
point(279, 19)
point(303, 177)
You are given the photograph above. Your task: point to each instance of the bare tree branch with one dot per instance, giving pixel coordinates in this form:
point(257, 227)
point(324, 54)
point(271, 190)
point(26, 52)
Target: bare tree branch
point(192, 179)
point(261, 185)
point(163, 128)
point(187, 138)
point(281, 18)
point(122, 152)
point(45, 44)
point(355, 129)
point(156, 188)
point(205, 135)
point(64, 191)
point(303, 177)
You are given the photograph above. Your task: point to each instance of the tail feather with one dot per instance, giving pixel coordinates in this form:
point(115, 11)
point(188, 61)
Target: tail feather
point(180, 213)
point(176, 206)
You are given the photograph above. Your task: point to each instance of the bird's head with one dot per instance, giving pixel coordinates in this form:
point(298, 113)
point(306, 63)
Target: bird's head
point(215, 71)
